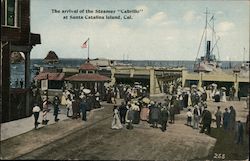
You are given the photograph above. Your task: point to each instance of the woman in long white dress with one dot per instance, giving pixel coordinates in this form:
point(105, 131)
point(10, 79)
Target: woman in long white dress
point(223, 96)
point(189, 99)
point(69, 108)
point(63, 99)
point(116, 123)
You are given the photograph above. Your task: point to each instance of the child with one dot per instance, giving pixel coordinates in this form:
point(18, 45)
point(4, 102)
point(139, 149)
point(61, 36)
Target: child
point(189, 117)
point(45, 111)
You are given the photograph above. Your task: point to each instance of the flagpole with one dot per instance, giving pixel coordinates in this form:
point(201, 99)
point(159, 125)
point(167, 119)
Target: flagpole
point(88, 49)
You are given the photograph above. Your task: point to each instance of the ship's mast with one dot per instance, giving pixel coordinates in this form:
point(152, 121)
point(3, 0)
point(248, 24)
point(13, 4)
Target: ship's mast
point(244, 55)
point(207, 44)
point(206, 27)
point(204, 36)
point(213, 32)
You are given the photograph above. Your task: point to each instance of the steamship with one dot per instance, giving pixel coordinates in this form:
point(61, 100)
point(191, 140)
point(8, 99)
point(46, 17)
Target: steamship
point(208, 62)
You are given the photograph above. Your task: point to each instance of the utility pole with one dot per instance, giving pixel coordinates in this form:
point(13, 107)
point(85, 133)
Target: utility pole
point(244, 55)
point(47, 91)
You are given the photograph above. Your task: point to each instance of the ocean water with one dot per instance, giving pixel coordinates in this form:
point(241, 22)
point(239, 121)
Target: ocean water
point(17, 70)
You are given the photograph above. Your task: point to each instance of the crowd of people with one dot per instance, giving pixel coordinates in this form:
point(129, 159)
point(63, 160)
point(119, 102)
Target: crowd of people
point(135, 108)
point(77, 103)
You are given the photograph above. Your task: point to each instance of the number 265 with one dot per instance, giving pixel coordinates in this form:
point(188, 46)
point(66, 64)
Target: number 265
point(219, 156)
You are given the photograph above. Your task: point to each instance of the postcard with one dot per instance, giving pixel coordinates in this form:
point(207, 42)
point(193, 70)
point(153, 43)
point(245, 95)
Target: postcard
point(124, 80)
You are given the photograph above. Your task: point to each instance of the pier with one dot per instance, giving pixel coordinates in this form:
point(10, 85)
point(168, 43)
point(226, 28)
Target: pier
point(153, 77)
point(224, 78)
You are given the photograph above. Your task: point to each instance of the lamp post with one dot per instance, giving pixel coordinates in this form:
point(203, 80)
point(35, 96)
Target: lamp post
point(236, 81)
point(47, 91)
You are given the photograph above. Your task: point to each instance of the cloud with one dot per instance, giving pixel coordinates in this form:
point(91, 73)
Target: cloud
point(159, 18)
point(219, 13)
point(144, 10)
point(189, 16)
point(157, 34)
point(225, 26)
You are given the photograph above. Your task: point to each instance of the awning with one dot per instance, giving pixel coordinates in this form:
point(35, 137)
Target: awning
point(35, 39)
point(51, 76)
point(87, 66)
point(88, 77)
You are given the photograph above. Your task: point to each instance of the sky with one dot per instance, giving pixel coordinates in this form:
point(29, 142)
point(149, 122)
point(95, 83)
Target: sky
point(162, 30)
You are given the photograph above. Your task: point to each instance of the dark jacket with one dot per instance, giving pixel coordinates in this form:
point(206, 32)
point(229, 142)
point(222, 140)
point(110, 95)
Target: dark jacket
point(56, 103)
point(123, 110)
point(75, 106)
point(232, 115)
point(155, 113)
point(207, 117)
point(226, 117)
point(83, 106)
point(130, 115)
point(164, 115)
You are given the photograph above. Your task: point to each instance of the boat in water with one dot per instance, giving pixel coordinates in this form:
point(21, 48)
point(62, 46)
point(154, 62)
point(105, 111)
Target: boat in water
point(209, 40)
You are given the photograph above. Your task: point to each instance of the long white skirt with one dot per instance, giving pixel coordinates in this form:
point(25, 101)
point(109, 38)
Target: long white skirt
point(116, 123)
point(223, 97)
point(63, 100)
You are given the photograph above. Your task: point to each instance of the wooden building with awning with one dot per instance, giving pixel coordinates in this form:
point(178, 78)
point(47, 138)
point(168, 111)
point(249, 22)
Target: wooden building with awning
point(55, 80)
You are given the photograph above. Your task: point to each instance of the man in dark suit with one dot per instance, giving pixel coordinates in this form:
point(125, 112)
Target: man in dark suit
point(164, 118)
point(123, 110)
point(56, 102)
point(206, 120)
point(83, 108)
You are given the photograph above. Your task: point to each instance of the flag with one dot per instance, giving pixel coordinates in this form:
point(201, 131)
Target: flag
point(84, 45)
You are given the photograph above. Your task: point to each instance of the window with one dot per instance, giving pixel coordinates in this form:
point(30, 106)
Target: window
point(9, 16)
point(2, 12)
point(11, 12)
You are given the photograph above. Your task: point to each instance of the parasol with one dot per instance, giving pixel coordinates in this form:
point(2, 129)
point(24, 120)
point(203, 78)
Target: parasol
point(186, 89)
point(214, 85)
point(194, 86)
point(86, 91)
point(146, 100)
point(223, 88)
point(138, 86)
point(135, 107)
point(106, 85)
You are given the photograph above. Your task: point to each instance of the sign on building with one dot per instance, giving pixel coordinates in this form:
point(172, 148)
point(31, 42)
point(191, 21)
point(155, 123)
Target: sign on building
point(44, 85)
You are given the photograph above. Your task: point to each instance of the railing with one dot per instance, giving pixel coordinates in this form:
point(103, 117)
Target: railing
point(18, 106)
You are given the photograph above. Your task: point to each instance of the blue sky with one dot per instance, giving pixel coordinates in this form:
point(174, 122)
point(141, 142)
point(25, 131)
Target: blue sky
point(163, 30)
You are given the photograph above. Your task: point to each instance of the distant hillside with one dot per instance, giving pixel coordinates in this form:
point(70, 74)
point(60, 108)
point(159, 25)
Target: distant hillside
point(51, 58)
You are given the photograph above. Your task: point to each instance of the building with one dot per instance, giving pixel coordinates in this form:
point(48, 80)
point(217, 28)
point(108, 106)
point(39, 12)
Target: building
point(89, 78)
point(55, 80)
point(15, 37)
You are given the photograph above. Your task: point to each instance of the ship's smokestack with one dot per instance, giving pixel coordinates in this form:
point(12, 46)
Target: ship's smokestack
point(208, 50)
